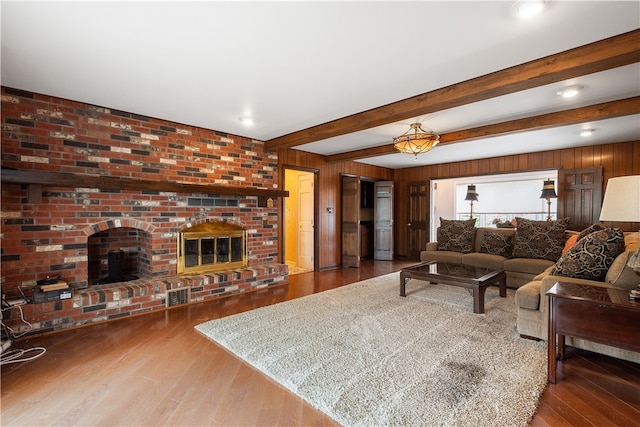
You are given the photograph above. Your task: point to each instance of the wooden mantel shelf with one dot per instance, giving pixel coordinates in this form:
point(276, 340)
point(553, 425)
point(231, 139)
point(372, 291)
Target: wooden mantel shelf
point(116, 183)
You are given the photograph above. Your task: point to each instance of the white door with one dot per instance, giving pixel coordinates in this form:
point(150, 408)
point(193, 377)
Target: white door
point(305, 220)
point(383, 221)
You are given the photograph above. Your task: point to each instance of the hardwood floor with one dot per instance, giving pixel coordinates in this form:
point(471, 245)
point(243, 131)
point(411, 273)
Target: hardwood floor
point(156, 370)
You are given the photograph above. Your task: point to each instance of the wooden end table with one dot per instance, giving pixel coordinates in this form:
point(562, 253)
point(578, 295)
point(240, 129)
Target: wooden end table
point(600, 314)
point(478, 279)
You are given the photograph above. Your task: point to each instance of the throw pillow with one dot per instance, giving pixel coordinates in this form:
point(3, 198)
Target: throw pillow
point(456, 235)
point(589, 230)
point(496, 243)
point(539, 239)
point(570, 242)
point(592, 256)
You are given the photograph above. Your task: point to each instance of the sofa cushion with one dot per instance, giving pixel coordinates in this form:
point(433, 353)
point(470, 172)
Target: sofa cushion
point(494, 262)
point(528, 296)
point(539, 239)
point(456, 235)
point(497, 243)
point(441, 256)
point(592, 256)
point(527, 265)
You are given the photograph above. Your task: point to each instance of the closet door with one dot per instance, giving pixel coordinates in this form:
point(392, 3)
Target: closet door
point(350, 221)
point(418, 225)
point(383, 221)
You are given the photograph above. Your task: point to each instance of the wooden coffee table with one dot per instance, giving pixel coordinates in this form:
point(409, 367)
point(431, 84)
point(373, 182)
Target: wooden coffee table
point(478, 279)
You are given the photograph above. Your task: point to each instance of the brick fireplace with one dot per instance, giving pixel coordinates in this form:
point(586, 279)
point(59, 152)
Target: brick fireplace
point(175, 177)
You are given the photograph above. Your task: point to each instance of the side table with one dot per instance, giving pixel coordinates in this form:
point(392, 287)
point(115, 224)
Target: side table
point(600, 314)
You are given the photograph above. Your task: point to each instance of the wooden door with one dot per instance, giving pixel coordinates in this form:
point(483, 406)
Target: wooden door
point(306, 210)
point(418, 221)
point(350, 221)
point(580, 196)
point(383, 221)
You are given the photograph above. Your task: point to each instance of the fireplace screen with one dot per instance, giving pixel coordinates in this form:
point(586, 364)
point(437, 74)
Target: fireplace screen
point(211, 246)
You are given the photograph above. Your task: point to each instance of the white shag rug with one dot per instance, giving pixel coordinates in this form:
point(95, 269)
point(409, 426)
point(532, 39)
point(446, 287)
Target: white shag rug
point(366, 356)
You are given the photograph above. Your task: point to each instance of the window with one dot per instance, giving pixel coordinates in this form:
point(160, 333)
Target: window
point(500, 198)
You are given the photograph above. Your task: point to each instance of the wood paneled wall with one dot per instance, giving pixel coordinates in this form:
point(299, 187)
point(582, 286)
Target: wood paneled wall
point(617, 159)
point(329, 182)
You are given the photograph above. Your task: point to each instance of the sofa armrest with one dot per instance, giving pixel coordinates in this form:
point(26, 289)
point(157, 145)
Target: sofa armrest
point(432, 246)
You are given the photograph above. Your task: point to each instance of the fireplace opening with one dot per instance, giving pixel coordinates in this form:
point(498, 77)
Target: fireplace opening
point(117, 267)
point(118, 255)
point(211, 246)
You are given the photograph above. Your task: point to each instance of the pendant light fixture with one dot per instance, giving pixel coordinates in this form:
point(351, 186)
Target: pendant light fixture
point(416, 140)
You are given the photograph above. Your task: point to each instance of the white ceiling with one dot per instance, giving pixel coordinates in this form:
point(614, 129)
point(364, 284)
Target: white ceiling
point(293, 65)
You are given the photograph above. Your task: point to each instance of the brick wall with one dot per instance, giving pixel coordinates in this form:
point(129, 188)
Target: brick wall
point(44, 133)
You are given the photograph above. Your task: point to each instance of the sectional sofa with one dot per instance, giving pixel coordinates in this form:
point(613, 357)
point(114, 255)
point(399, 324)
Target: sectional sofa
point(533, 307)
point(547, 263)
point(460, 242)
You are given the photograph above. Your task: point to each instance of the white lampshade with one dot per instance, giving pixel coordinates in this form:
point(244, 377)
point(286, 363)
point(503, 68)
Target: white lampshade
point(622, 200)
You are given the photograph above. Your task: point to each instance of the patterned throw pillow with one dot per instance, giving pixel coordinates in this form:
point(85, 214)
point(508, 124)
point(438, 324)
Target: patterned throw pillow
point(592, 256)
point(539, 239)
point(456, 235)
point(589, 230)
point(496, 243)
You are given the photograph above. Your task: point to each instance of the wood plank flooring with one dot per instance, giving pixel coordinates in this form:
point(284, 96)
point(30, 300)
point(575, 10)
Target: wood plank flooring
point(156, 370)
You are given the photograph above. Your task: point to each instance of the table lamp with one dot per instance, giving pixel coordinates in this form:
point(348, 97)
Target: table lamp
point(471, 196)
point(548, 192)
point(622, 204)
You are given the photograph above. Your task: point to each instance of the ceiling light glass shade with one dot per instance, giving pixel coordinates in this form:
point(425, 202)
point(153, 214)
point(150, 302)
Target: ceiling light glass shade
point(416, 140)
point(548, 190)
point(570, 91)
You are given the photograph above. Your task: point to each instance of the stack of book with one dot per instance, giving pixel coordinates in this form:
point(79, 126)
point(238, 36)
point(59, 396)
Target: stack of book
point(52, 292)
point(54, 286)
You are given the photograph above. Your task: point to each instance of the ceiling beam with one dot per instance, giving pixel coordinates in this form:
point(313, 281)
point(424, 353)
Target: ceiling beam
point(605, 110)
point(602, 55)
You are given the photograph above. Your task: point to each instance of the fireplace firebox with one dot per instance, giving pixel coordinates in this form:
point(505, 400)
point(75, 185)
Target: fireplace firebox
point(211, 246)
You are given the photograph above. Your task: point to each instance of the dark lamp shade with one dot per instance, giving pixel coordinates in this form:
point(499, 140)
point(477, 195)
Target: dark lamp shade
point(471, 193)
point(548, 190)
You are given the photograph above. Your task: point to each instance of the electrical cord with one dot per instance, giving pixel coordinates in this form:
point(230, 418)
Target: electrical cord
point(17, 355)
point(11, 331)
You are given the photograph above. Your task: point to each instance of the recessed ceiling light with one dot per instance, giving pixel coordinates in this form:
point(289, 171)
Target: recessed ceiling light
point(528, 8)
point(587, 132)
point(248, 120)
point(570, 91)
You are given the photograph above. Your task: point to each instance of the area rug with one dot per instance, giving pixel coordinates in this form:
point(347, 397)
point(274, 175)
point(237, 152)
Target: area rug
point(367, 357)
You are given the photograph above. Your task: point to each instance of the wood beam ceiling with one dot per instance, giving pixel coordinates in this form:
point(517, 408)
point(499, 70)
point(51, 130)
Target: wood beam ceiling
point(605, 110)
point(603, 55)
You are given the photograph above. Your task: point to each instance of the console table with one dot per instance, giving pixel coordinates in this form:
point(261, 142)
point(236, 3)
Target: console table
point(595, 313)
